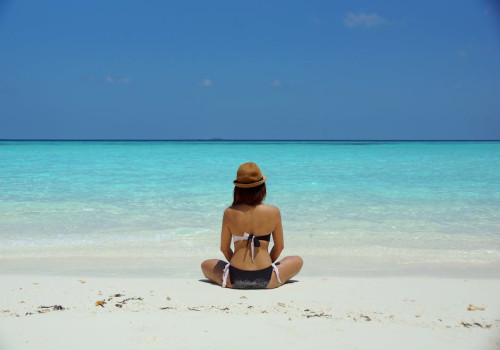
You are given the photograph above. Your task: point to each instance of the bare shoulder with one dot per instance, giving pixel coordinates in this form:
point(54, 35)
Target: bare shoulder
point(270, 209)
point(229, 212)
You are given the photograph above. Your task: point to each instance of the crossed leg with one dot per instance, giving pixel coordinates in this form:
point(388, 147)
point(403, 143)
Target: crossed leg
point(213, 269)
point(287, 267)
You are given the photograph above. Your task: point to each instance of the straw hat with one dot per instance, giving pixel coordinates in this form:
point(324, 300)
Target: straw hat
point(249, 175)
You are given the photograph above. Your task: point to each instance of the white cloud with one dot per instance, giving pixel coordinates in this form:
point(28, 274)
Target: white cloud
point(205, 82)
point(363, 20)
point(316, 20)
point(119, 80)
point(276, 83)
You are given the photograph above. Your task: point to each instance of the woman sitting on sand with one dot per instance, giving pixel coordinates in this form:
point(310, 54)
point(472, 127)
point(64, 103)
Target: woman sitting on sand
point(251, 224)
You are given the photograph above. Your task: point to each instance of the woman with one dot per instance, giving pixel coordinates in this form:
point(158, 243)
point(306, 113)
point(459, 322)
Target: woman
point(250, 224)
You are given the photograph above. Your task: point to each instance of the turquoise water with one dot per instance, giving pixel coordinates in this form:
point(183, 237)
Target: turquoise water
point(407, 201)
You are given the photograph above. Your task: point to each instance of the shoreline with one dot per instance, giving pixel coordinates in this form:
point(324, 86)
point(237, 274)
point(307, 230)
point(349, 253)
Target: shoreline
point(189, 267)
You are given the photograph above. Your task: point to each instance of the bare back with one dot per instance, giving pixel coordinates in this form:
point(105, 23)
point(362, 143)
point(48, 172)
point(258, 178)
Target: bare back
point(260, 220)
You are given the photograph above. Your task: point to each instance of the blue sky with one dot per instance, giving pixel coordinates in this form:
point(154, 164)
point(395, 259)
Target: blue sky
point(249, 70)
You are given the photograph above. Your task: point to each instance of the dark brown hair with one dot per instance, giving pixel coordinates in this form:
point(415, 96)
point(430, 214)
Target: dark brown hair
point(252, 196)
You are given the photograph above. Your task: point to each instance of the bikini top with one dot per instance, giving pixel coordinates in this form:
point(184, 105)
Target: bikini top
point(251, 239)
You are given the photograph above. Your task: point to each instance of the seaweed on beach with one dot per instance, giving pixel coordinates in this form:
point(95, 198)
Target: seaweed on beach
point(100, 303)
point(475, 324)
point(367, 318)
point(53, 307)
point(124, 301)
point(167, 308)
point(44, 309)
point(311, 313)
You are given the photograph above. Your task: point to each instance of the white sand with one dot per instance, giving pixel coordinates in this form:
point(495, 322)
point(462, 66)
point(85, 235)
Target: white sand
point(325, 313)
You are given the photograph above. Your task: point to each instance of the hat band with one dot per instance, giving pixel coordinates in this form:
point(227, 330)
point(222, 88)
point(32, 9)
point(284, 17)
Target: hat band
point(249, 184)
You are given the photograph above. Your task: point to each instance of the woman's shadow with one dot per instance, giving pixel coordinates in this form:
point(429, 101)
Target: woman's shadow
point(206, 280)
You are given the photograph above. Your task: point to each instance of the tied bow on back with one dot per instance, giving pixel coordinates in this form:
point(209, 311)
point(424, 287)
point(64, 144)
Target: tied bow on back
point(254, 242)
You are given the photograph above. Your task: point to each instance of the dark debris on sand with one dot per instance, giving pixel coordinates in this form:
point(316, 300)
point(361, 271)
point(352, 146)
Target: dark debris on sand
point(475, 324)
point(311, 313)
point(44, 309)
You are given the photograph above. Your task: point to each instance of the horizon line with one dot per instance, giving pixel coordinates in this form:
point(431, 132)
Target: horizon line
point(259, 140)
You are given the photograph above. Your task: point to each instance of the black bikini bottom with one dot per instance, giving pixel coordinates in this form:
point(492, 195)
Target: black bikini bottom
point(242, 279)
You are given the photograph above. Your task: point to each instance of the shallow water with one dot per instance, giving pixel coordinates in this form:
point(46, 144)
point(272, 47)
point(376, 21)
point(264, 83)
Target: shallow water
point(410, 202)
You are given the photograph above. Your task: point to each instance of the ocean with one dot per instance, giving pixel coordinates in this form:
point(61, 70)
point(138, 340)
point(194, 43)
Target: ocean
point(405, 203)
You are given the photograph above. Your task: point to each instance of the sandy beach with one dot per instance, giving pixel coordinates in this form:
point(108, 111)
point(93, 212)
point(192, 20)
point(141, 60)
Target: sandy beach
point(159, 311)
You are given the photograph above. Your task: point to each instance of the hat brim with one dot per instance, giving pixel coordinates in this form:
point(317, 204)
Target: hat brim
point(251, 184)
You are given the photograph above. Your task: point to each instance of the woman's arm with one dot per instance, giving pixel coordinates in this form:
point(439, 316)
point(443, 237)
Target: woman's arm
point(279, 243)
point(225, 237)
